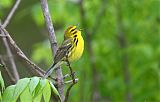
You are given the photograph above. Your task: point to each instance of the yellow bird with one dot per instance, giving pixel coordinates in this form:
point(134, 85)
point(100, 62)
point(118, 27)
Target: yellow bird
point(70, 50)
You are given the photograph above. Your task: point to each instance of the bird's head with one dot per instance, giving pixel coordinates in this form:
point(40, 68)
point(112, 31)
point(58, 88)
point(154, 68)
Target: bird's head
point(72, 31)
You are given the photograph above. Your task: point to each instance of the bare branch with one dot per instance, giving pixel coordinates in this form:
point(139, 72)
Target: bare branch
point(7, 20)
point(6, 69)
point(53, 42)
point(19, 52)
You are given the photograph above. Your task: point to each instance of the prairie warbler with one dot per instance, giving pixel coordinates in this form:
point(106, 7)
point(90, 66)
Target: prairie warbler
point(70, 50)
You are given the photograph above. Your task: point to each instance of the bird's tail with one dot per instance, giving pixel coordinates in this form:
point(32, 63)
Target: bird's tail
point(50, 70)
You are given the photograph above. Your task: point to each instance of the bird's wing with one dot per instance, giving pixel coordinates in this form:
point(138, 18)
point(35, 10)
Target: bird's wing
point(63, 50)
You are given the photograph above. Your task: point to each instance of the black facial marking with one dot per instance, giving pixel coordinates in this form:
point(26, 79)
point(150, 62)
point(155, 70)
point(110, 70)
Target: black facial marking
point(75, 36)
point(76, 42)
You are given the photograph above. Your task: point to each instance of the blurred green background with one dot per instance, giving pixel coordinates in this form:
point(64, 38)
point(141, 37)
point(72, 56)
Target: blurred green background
point(121, 61)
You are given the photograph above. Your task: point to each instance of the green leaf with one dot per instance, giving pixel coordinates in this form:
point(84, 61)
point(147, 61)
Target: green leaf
point(26, 96)
point(54, 90)
point(2, 82)
point(20, 86)
point(38, 98)
point(8, 94)
point(40, 86)
point(47, 92)
point(33, 84)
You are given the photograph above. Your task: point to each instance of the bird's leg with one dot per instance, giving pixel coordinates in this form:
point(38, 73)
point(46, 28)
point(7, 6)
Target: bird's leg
point(72, 73)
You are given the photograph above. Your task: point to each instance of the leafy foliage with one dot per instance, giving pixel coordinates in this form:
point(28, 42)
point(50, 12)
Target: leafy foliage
point(29, 90)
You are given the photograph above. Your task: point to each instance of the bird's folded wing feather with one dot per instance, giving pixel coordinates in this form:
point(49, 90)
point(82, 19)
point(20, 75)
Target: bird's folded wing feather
point(63, 50)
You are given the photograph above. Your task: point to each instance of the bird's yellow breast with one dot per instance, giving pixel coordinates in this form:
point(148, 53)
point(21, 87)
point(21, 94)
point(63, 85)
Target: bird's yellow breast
point(78, 50)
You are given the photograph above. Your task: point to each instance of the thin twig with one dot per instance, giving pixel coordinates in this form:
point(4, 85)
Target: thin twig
point(68, 82)
point(71, 81)
point(7, 20)
point(53, 42)
point(66, 76)
point(6, 69)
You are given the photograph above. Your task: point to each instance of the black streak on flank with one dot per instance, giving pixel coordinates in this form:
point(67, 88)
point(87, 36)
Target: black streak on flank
point(74, 32)
point(75, 36)
point(74, 39)
point(76, 42)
